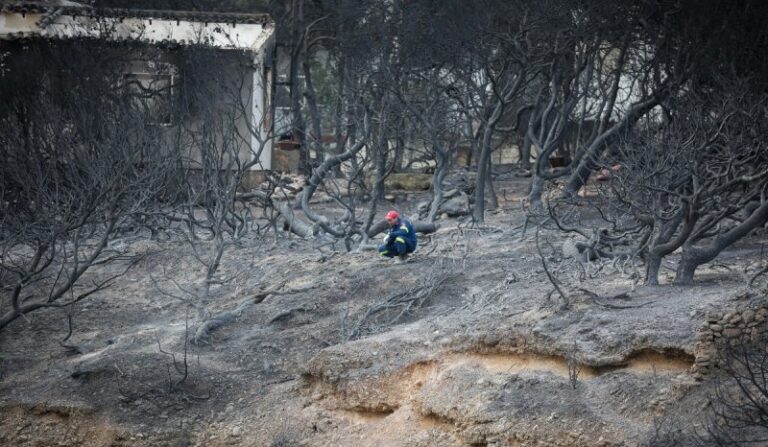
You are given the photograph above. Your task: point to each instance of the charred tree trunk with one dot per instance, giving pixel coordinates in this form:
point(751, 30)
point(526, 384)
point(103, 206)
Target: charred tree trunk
point(663, 244)
point(693, 257)
point(652, 269)
point(441, 170)
point(397, 162)
point(299, 127)
point(378, 190)
point(484, 160)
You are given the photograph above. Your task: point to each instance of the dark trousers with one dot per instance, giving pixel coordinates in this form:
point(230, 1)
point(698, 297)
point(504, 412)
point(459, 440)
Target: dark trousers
point(394, 248)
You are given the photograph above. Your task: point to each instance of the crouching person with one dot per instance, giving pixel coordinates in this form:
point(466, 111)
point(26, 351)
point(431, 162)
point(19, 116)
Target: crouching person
point(401, 238)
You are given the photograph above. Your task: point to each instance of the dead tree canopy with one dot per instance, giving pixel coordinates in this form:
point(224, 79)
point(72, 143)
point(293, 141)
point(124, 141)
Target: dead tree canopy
point(698, 183)
point(686, 159)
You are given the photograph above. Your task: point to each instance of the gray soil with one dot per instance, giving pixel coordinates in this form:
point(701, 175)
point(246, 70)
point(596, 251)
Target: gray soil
point(478, 352)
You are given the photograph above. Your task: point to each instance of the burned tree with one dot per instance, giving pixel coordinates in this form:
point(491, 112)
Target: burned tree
point(495, 67)
point(82, 161)
point(680, 135)
point(697, 182)
point(427, 101)
point(608, 71)
point(120, 135)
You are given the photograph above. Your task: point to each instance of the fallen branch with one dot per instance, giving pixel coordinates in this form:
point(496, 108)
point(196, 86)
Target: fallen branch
point(203, 333)
point(622, 296)
point(318, 176)
point(288, 313)
point(292, 223)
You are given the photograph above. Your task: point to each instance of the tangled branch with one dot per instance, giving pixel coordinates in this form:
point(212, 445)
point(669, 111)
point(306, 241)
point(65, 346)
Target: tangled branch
point(391, 309)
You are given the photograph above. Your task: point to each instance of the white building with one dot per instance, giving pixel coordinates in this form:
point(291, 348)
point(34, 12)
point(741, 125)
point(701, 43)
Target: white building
point(251, 35)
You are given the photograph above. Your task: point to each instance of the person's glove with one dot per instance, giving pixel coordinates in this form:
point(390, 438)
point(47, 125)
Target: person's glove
point(386, 239)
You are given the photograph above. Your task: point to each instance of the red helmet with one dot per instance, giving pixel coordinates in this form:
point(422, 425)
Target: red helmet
point(393, 215)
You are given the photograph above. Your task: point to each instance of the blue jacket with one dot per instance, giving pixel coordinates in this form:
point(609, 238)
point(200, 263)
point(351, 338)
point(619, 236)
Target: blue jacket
point(403, 228)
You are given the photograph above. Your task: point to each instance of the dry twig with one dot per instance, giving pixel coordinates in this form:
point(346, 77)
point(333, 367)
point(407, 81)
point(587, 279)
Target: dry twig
point(392, 308)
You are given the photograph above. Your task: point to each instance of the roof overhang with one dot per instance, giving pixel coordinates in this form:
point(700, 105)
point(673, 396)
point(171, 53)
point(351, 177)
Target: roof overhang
point(251, 32)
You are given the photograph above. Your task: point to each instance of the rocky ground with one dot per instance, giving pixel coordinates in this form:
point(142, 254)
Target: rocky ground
point(465, 345)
